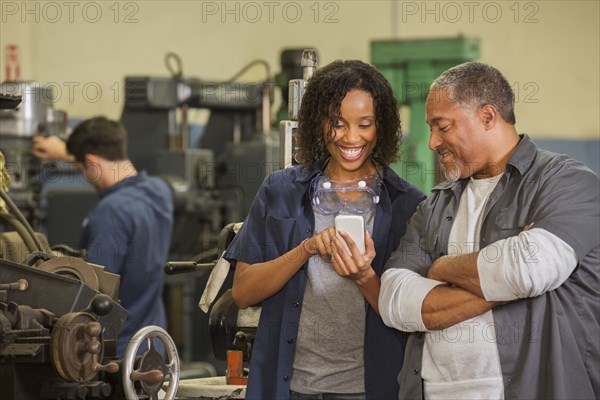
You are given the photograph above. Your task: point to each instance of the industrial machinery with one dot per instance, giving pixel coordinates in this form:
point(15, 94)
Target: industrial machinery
point(214, 167)
point(233, 330)
point(63, 347)
point(34, 115)
point(288, 126)
point(213, 176)
point(208, 178)
point(59, 321)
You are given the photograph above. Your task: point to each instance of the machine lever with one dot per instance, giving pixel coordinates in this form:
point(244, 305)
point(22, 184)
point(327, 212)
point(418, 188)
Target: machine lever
point(111, 368)
point(151, 377)
point(20, 285)
point(180, 267)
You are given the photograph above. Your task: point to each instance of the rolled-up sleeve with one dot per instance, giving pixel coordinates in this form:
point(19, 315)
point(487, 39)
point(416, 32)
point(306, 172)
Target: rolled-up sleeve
point(566, 216)
point(523, 266)
point(404, 285)
point(401, 299)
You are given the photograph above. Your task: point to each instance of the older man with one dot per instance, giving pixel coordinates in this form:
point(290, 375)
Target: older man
point(498, 273)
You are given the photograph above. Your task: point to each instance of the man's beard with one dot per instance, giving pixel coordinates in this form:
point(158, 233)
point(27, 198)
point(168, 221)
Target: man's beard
point(452, 172)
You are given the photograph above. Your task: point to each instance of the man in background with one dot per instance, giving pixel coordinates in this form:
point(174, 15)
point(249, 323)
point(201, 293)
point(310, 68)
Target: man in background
point(129, 230)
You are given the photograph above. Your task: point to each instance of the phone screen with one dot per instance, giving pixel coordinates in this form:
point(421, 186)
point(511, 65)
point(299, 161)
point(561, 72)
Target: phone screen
point(354, 226)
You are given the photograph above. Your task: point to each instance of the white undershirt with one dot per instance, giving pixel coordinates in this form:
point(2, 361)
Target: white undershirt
point(462, 362)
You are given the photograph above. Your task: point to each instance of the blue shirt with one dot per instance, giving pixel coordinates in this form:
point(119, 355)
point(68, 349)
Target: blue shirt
point(281, 217)
point(129, 233)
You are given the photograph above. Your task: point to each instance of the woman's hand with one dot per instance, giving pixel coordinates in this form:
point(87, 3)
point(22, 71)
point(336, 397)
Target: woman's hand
point(322, 243)
point(355, 266)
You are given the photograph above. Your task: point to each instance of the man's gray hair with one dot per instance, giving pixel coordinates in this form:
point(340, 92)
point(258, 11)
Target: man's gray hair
point(478, 84)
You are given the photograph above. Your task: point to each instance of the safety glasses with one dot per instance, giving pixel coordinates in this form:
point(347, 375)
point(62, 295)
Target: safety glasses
point(358, 196)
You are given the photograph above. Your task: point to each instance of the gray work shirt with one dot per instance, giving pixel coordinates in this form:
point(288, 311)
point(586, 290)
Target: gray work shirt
point(549, 345)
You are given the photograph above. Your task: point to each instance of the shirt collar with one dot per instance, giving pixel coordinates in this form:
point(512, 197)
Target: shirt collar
point(127, 181)
point(522, 158)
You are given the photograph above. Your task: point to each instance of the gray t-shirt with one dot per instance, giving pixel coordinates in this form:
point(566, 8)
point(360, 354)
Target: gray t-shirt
point(329, 349)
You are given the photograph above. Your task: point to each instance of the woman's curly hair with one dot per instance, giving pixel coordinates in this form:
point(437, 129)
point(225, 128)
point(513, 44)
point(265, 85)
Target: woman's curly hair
point(321, 103)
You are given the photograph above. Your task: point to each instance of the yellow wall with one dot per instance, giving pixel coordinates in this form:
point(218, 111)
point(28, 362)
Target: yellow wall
point(549, 50)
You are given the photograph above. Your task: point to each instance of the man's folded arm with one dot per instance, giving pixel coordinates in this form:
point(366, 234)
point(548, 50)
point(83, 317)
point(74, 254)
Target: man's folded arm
point(412, 303)
point(522, 266)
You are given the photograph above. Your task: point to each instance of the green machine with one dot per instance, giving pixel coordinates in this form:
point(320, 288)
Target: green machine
point(411, 66)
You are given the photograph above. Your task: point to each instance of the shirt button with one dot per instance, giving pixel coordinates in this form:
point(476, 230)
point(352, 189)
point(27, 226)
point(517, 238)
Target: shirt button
point(290, 341)
point(286, 378)
point(309, 231)
point(449, 218)
point(416, 371)
point(296, 304)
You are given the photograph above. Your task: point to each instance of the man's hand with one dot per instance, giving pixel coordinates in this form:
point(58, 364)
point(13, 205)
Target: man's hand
point(459, 271)
point(51, 148)
point(445, 306)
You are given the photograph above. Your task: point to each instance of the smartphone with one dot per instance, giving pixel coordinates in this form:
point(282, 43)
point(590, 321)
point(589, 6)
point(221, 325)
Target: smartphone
point(354, 226)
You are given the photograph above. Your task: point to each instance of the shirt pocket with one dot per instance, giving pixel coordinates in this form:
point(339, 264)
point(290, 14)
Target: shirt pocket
point(279, 237)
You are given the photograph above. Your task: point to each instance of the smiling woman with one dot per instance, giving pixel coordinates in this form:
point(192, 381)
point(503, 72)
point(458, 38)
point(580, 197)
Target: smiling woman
point(352, 138)
point(320, 331)
point(344, 98)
